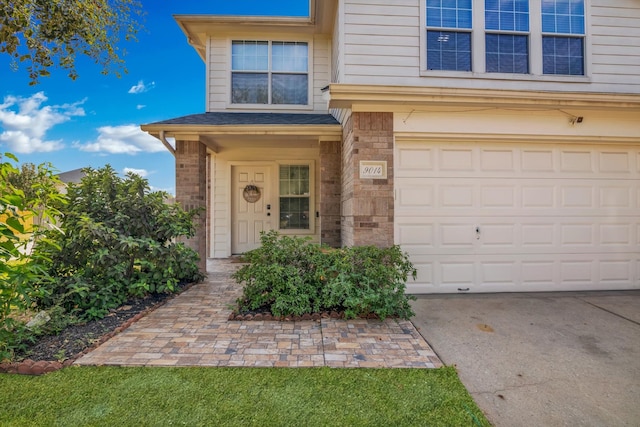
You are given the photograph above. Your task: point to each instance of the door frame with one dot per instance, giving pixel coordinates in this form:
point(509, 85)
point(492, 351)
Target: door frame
point(272, 183)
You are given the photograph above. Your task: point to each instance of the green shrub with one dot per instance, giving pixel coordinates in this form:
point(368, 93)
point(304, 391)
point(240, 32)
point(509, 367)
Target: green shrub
point(117, 241)
point(291, 276)
point(24, 195)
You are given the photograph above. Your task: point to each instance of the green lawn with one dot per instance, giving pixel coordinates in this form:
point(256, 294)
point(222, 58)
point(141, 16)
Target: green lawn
point(113, 396)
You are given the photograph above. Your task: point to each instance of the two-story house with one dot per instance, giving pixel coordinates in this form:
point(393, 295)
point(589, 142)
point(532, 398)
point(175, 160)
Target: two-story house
point(497, 142)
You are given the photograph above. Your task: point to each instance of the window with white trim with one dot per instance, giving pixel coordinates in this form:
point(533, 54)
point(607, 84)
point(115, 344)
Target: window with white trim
point(507, 36)
point(563, 37)
point(542, 37)
point(295, 197)
point(269, 72)
point(449, 26)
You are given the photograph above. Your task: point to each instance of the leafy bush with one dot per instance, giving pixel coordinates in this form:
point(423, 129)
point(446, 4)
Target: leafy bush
point(290, 276)
point(117, 241)
point(22, 199)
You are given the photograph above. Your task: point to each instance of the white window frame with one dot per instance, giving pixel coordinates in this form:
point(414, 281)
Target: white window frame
point(478, 50)
point(312, 197)
point(270, 40)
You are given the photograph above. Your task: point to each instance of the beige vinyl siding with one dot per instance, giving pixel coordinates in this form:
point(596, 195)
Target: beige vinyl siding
point(321, 73)
point(337, 50)
point(221, 168)
point(382, 47)
point(615, 35)
point(381, 41)
point(217, 74)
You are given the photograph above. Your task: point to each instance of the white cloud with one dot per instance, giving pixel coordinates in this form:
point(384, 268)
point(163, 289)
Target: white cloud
point(26, 121)
point(142, 172)
point(125, 139)
point(141, 87)
point(140, 106)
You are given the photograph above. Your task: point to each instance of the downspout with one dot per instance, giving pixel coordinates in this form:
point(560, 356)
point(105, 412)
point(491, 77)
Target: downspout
point(164, 141)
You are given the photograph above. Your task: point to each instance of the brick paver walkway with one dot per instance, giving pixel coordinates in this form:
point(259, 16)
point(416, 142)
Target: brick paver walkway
point(193, 329)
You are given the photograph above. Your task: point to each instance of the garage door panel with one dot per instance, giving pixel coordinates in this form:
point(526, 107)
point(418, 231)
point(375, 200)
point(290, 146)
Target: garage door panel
point(616, 271)
point(416, 235)
point(526, 161)
point(491, 218)
point(542, 272)
point(456, 236)
point(537, 160)
point(616, 196)
point(539, 273)
point(579, 271)
point(498, 273)
point(615, 162)
point(526, 235)
point(577, 161)
point(498, 196)
point(616, 234)
point(414, 196)
point(459, 160)
point(497, 160)
point(457, 273)
point(577, 235)
point(516, 196)
point(459, 196)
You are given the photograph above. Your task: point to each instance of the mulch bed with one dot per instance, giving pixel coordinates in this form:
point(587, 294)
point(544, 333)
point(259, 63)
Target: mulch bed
point(53, 352)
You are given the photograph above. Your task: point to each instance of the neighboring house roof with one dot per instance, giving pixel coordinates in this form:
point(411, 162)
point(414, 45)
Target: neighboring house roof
point(74, 176)
point(261, 119)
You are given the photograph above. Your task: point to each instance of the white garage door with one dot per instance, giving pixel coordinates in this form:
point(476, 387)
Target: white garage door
point(493, 218)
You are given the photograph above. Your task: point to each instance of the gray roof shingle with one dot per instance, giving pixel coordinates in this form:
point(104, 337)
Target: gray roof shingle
point(221, 119)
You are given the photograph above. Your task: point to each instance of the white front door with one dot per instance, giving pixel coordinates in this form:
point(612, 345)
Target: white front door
point(249, 216)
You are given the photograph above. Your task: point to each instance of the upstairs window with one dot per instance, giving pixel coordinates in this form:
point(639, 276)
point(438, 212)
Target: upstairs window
point(264, 72)
point(563, 37)
point(507, 36)
point(525, 37)
point(449, 25)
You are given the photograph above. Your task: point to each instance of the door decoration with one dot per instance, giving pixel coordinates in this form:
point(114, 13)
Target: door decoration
point(251, 193)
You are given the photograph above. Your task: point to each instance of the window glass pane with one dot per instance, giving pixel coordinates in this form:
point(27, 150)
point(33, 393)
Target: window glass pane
point(563, 16)
point(563, 55)
point(289, 89)
point(294, 200)
point(449, 14)
point(249, 88)
point(290, 56)
point(507, 53)
point(507, 15)
point(249, 55)
point(448, 50)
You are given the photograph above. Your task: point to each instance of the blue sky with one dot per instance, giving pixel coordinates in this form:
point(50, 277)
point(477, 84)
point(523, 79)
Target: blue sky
point(95, 119)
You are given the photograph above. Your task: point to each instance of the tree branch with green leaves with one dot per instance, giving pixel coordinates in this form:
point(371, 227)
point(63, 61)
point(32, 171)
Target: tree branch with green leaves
point(46, 33)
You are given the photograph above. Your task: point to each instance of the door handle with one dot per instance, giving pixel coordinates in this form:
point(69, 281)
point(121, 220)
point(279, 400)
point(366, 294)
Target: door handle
point(477, 233)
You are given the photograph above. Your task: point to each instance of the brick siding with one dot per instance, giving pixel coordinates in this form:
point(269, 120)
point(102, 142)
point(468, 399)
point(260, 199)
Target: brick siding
point(367, 204)
point(330, 183)
point(191, 191)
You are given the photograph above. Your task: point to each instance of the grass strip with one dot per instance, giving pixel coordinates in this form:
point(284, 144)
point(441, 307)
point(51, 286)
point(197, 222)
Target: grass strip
point(119, 396)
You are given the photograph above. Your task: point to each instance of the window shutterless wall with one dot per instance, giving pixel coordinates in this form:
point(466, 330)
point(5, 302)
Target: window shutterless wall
point(479, 27)
point(222, 73)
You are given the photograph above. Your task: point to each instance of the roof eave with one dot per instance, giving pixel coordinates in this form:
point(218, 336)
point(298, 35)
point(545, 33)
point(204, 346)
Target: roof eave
point(171, 130)
point(394, 97)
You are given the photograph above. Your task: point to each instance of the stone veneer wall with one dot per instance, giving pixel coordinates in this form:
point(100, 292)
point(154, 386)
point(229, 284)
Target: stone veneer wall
point(330, 183)
point(367, 204)
point(191, 187)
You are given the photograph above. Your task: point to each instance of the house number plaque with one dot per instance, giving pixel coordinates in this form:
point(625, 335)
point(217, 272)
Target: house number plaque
point(376, 169)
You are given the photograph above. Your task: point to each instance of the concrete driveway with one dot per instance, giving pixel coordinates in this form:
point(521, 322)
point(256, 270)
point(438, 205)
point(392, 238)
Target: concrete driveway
point(541, 359)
